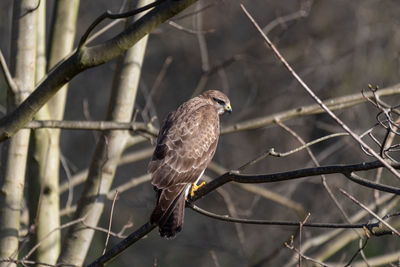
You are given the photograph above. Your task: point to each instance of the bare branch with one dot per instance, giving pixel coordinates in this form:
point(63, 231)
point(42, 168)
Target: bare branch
point(26, 262)
point(109, 15)
point(124, 244)
point(316, 98)
point(291, 247)
point(370, 212)
point(125, 159)
point(379, 260)
point(277, 198)
point(263, 192)
point(299, 14)
point(110, 223)
point(108, 26)
point(7, 75)
point(339, 237)
point(296, 174)
point(234, 176)
point(94, 125)
point(187, 30)
point(301, 235)
point(272, 151)
point(50, 233)
point(323, 177)
point(130, 184)
point(338, 103)
point(84, 58)
point(360, 249)
point(282, 223)
point(107, 231)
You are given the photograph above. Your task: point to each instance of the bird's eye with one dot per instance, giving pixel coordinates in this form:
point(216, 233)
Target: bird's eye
point(219, 101)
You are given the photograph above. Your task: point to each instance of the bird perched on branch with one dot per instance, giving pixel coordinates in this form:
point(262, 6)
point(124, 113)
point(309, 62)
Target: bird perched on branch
point(185, 146)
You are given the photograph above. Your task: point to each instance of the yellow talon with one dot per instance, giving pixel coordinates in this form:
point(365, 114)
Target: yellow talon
point(195, 188)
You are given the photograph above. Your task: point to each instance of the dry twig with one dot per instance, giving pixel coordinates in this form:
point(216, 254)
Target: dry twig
point(316, 98)
point(370, 212)
point(110, 223)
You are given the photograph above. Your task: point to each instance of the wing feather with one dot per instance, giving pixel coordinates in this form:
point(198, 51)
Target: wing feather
point(186, 144)
point(187, 156)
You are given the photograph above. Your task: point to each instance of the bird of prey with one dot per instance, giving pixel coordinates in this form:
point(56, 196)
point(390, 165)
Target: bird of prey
point(185, 146)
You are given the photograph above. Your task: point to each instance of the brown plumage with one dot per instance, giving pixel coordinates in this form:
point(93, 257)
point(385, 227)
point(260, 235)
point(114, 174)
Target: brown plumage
point(185, 146)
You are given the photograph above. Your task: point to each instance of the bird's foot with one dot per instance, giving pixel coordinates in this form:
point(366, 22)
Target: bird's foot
point(195, 188)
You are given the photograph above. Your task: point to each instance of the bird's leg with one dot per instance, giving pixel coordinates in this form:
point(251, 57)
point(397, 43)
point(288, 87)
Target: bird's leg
point(195, 188)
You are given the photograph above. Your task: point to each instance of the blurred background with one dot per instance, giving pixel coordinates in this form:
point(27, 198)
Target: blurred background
point(337, 47)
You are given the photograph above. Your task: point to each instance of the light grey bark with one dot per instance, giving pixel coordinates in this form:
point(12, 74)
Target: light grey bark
point(44, 167)
point(108, 151)
point(87, 57)
point(23, 57)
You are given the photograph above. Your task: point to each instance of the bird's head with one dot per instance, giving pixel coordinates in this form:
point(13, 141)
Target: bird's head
point(219, 100)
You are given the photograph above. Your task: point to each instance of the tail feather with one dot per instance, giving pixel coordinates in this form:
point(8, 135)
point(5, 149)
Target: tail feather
point(169, 213)
point(172, 225)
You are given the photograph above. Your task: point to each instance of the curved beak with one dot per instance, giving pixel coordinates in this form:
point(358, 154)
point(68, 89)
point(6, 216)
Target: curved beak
point(228, 108)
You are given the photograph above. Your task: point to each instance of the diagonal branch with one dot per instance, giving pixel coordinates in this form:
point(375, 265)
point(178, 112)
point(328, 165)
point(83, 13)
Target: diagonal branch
point(333, 104)
point(109, 15)
point(87, 57)
point(7, 75)
point(370, 212)
point(316, 98)
point(124, 244)
point(236, 177)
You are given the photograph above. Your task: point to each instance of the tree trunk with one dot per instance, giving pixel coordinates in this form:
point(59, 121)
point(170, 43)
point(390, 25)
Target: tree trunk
point(108, 151)
point(45, 156)
point(23, 57)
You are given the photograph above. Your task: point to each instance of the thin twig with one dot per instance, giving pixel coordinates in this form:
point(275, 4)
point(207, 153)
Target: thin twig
point(360, 249)
point(316, 98)
point(6, 72)
point(389, 259)
point(272, 151)
point(197, 11)
point(232, 176)
point(281, 223)
point(338, 103)
point(232, 211)
point(108, 26)
point(109, 15)
point(370, 212)
point(37, 263)
point(338, 237)
point(104, 230)
point(110, 222)
point(300, 235)
point(156, 85)
point(299, 14)
point(291, 247)
point(131, 157)
point(187, 30)
point(323, 177)
point(50, 233)
point(133, 182)
point(128, 225)
point(69, 184)
point(214, 257)
point(198, 21)
point(124, 244)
